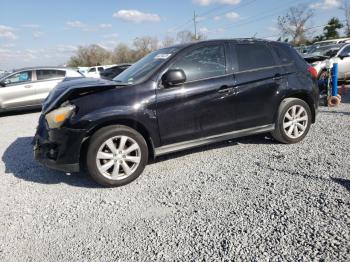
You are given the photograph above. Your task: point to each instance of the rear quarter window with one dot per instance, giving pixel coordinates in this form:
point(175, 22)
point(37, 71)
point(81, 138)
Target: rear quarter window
point(284, 53)
point(46, 74)
point(253, 56)
point(297, 58)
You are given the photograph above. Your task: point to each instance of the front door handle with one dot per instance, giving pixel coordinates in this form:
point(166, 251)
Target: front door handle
point(27, 86)
point(226, 89)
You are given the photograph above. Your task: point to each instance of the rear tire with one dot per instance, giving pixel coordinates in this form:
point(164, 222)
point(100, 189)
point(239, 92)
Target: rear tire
point(116, 155)
point(293, 121)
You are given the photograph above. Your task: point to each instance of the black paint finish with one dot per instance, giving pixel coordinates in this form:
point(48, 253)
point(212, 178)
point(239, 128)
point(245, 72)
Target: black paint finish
point(235, 101)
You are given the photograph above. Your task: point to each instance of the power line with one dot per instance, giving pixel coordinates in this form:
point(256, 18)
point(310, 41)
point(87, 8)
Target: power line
point(210, 11)
point(262, 15)
point(230, 10)
point(237, 8)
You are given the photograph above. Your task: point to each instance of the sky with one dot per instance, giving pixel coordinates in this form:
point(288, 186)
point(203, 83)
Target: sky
point(42, 32)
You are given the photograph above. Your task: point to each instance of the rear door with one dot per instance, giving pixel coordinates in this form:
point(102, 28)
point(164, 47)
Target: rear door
point(17, 91)
point(257, 79)
point(200, 106)
point(344, 64)
point(46, 80)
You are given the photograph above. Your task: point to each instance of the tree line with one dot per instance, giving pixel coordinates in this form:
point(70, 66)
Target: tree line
point(94, 54)
point(296, 26)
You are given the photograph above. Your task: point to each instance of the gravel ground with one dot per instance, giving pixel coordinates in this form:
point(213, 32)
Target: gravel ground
point(247, 199)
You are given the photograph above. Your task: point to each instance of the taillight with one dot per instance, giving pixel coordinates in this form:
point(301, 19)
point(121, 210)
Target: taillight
point(312, 71)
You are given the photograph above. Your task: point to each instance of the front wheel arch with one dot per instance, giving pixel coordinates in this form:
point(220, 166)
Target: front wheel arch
point(129, 123)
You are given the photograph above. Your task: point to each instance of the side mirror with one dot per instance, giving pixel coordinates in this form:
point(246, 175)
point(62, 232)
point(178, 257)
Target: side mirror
point(173, 77)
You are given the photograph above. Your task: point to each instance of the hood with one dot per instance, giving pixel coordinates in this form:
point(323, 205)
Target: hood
point(310, 58)
point(71, 88)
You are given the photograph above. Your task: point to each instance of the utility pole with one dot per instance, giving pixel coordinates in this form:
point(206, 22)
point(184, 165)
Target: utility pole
point(195, 24)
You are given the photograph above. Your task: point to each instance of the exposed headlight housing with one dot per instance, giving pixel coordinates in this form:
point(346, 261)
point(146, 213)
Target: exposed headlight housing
point(57, 117)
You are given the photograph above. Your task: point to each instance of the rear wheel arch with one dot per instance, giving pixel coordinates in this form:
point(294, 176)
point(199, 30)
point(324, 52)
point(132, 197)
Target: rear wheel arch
point(302, 96)
point(293, 120)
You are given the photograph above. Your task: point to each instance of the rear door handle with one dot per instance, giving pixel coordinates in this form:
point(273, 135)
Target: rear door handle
point(27, 86)
point(277, 77)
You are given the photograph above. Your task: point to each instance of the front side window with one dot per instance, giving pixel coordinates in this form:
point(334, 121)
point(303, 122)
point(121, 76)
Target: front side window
point(46, 74)
point(253, 56)
point(92, 70)
point(18, 78)
point(100, 69)
point(202, 63)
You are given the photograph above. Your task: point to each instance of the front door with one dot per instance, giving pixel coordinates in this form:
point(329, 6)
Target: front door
point(202, 106)
point(17, 91)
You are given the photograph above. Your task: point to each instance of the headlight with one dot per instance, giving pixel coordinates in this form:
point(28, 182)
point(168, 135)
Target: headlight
point(57, 117)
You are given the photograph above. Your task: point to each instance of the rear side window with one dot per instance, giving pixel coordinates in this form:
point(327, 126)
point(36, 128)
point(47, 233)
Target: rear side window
point(92, 70)
point(49, 74)
point(253, 56)
point(284, 53)
point(100, 69)
point(202, 63)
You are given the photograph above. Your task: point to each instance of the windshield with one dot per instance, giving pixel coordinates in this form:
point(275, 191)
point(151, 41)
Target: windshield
point(323, 50)
point(146, 66)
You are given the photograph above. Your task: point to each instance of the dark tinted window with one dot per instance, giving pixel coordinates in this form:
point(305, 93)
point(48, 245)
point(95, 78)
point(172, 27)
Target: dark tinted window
point(18, 78)
point(283, 53)
point(204, 62)
point(346, 50)
point(253, 56)
point(91, 70)
point(100, 69)
point(46, 74)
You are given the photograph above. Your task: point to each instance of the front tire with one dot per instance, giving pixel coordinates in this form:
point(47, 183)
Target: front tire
point(116, 155)
point(293, 121)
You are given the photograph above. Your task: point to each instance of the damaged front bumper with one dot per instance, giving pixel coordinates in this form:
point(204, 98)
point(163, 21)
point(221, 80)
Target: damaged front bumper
point(58, 149)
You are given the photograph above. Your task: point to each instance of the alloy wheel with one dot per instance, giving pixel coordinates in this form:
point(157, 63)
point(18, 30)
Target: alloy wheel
point(295, 121)
point(118, 157)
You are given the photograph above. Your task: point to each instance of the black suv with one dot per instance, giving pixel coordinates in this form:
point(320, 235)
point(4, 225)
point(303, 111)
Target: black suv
point(176, 98)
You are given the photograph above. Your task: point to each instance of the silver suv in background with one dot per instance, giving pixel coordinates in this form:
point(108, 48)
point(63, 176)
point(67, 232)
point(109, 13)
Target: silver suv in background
point(325, 56)
point(28, 87)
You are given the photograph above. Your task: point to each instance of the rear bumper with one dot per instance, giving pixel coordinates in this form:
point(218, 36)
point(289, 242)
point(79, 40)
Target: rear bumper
point(58, 149)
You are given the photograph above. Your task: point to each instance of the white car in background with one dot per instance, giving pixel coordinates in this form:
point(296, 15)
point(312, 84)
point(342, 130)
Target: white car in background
point(333, 42)
point(83, 69)
point(28, 87)
point(94, 71)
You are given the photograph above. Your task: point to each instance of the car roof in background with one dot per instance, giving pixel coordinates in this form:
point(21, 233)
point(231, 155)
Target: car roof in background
point(44, 67)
